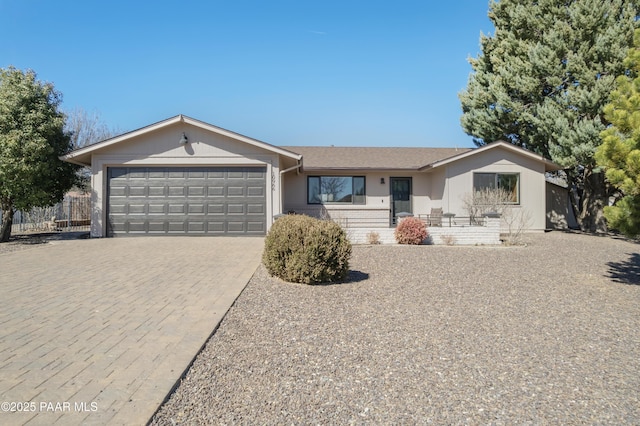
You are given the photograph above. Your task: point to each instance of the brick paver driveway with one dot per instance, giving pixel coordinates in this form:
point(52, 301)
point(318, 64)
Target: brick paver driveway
point(98, 331)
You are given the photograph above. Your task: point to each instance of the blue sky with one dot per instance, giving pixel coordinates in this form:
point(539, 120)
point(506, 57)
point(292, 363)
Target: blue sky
point(294, 72)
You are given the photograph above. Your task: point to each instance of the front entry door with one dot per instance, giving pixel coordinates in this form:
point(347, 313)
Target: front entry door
point(400, 196)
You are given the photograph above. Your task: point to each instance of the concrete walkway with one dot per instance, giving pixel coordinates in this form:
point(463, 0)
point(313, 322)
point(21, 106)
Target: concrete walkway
point(98, 331)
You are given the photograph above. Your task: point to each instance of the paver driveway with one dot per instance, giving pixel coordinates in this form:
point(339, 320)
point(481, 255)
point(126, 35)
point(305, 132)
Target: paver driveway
point(98, 331)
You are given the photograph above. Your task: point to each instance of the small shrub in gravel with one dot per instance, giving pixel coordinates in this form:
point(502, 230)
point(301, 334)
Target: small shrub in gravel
point(303, 249)
point(449, 240)
point(373, 238)
point(411, 230)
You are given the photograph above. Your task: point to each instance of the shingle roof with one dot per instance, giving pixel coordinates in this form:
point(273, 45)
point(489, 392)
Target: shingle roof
point(338, 157)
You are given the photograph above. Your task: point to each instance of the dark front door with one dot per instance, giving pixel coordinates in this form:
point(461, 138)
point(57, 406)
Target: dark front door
point(400, 196)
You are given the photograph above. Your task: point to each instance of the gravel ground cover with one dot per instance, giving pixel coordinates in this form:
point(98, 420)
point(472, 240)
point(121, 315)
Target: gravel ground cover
point(541, 334)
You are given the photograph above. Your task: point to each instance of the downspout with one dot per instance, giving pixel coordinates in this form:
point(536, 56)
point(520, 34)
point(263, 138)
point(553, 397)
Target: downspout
point(448, 184)
point(282, 172)
point(297, 166)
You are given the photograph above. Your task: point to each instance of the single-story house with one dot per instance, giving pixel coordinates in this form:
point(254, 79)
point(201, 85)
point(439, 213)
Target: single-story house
point(182, 176)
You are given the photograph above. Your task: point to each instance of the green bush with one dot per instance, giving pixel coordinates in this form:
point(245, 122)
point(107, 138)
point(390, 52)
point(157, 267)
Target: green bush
point(411, 231)
point(303, 249)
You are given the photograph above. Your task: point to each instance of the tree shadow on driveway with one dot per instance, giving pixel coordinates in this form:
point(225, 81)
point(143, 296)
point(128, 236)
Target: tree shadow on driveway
point(626, 272)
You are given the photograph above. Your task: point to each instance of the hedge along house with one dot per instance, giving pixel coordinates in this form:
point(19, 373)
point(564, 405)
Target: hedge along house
point(182, 176)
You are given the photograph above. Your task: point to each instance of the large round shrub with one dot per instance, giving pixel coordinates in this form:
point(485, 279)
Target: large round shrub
point(303, 249)
point(411, 230)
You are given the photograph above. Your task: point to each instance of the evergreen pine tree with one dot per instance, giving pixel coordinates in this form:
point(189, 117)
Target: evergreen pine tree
point(620, 150)
point(542, 80)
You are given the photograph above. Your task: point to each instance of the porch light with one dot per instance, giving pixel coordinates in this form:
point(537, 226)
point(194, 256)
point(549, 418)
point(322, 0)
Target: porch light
point(381, 181)
point(183, 139)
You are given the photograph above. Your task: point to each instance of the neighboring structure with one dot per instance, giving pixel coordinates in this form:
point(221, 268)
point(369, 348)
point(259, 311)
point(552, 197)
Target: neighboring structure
point(559, 210)
point(183, 176)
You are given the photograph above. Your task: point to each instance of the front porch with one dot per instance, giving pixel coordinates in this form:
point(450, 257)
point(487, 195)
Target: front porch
point(361, 224)
point(484, 232)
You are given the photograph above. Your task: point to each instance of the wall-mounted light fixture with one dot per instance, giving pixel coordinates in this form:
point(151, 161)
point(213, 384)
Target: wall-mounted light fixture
point(381, 181)
point(183, 139)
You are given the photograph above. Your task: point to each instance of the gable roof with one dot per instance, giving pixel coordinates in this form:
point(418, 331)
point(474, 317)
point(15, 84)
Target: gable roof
point(324, 157)
point(548, 164)
point(399, 158)
point(82, 156)
point(365, 158)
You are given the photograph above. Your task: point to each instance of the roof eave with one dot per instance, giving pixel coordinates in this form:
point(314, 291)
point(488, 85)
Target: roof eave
point(73, 160)
point(112, 141)
point(357, 169)
point(549, 165)
point(89, 149)
point(243, 138)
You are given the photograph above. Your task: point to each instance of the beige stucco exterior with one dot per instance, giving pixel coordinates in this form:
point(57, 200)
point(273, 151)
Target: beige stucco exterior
point(158, 145)
point(444, 186)
point(457, 181)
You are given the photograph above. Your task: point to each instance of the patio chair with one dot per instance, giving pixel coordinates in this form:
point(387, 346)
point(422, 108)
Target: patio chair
point(435, 218)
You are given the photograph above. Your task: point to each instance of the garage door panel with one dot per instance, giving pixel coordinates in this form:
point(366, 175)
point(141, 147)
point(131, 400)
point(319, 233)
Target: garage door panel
point(197, 227)
point(177, 227)
point(255, 191)
point(236, 174)
point(255, 209)
point(118, 208)
point(177, 209)
point(137, 209)
point(137, 174)
point(136, 226)
point(215, 191)
point(255, 175)
point(157, 227)
point(196, 191)
point(215, 227)
point(137, 191)
point(118, 173)
point(118, 191)
point(157, 191)
point(236, 227)
point(256, 227)
point(216, 208)
point(235, 191)
point(177, 191)
point(235, 209)
point(156, 174)
point(196, 209)
point(159, 209)
point(118, 223)
point(180, 200)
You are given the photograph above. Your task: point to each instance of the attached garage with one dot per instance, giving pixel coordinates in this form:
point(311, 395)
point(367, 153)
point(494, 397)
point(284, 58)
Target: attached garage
point(186, 201)
point(182, 176)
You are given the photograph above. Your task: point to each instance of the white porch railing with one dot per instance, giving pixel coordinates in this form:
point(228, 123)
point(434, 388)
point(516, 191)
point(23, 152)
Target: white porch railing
point(461, 231)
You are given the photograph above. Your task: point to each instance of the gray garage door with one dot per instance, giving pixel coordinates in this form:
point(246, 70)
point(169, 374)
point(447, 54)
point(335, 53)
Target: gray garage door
point(186, 200)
